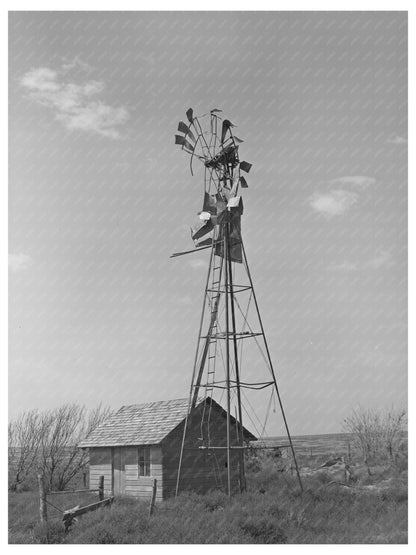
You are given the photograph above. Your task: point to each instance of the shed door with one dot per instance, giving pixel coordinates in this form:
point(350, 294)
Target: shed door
point(119, 471)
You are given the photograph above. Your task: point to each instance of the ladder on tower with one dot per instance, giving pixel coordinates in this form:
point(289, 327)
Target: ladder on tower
point(212, 338)
point(209, 350)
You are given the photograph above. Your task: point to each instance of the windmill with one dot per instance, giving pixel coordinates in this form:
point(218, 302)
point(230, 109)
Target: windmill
point(230, 318)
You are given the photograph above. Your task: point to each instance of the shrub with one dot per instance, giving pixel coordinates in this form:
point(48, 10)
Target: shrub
point(376, 433)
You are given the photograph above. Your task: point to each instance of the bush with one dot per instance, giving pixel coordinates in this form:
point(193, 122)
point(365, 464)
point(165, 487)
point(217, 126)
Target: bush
point(376, 433)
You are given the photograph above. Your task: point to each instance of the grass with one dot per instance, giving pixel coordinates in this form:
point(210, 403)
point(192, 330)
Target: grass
point(273, 510)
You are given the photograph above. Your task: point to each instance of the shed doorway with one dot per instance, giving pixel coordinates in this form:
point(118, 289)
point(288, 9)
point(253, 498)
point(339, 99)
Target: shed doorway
point(118, 471)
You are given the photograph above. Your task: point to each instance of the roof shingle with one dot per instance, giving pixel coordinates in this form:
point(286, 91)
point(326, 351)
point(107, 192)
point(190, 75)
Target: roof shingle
point(144, 424)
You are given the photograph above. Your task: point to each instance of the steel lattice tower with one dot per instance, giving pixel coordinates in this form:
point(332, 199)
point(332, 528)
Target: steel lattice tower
point(230, 315)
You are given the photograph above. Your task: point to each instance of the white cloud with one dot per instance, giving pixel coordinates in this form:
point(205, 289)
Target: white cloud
point(360, 181)
point(397, 140)
point(72, 103)
point(18, 262)
point(333, 203)
point(76, 63)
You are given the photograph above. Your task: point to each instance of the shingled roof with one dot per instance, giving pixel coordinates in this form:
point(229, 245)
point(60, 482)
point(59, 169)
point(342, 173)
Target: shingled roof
point(144, 424)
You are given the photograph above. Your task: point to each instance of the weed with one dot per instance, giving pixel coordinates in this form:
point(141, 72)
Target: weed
point(272, 510)
point(261, 530)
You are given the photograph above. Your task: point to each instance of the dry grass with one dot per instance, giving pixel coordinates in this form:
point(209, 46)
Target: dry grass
point(273, 510)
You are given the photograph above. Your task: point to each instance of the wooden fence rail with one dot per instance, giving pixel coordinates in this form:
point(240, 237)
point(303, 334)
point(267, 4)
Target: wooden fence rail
point(70, 514)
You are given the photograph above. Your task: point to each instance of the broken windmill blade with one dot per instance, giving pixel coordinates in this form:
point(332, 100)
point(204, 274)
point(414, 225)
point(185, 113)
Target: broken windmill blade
point(183, 128)
point(230, 313)
point(226, 126)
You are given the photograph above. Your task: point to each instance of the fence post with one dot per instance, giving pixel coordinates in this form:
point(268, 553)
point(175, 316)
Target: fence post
point(42, 500)
point(153, 499)
point(101, 488)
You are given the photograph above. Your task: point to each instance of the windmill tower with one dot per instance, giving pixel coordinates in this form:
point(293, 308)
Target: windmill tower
point(231, 329)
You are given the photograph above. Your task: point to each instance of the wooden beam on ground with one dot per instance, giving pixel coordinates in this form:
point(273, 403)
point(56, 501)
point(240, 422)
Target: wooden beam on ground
point(70, 514)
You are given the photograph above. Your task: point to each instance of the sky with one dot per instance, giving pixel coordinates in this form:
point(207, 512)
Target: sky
point(99, 197)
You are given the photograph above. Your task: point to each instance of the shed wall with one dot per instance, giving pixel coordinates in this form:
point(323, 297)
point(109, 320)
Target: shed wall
point(142, 486)
point(100, 465)
point(201, 470)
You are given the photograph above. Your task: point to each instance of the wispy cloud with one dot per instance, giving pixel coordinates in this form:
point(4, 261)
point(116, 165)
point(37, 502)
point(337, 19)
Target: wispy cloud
point(343, 267)
point(341, 194)
point(333, 203)
point(382, 259)
point(75, 105)
point(19, 262)
point(197, 263)
point(397, 140)
point(359, 181)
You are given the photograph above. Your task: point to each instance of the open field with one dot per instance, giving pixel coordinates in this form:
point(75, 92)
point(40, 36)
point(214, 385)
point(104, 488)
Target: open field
point(324, 445)
point(372, 508)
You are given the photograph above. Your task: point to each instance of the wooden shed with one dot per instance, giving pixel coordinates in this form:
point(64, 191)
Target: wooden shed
point(142, 442)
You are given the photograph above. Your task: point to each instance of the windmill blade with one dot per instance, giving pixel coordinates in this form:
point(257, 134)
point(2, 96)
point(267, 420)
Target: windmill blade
point(204, 242)
point(179, 140)
point(215, 110)
point(190, 115)
point(243, 182)
point(175, 254)
point(210, 204)
point(183, 128)
point(226, 124)
point(245, 166)
point(237, 140)
point(201, 228)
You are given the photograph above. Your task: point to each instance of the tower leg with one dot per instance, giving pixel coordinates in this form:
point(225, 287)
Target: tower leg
point(271, 367)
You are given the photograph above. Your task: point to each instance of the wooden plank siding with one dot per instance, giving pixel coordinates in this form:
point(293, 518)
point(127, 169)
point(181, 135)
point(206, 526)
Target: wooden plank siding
point(201, 470)
point(100, 465)
point(101, 460)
